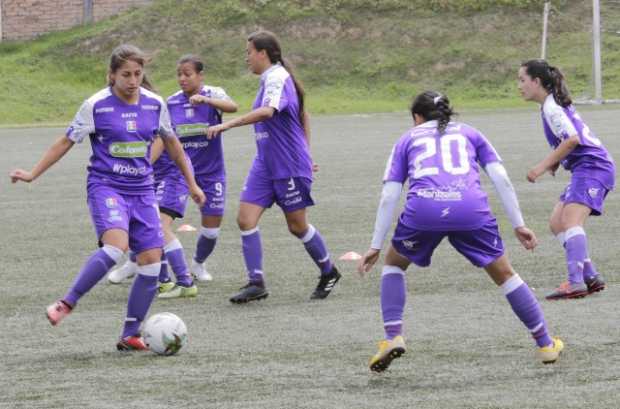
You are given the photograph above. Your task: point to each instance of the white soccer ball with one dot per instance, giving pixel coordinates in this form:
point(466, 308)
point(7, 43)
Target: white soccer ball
point(164, 333)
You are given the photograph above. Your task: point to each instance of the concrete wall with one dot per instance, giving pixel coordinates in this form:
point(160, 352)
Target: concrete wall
point(26, 19)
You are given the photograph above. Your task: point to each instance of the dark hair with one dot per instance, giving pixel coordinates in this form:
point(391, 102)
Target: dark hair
point(128, 52)
point(432, 105)
point(551, 78)
point(199, 66)
point(266, 40)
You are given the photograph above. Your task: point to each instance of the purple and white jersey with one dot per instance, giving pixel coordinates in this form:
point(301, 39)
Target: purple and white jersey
point(444, 176)
point(190, 122)
point(121, 135)
point(590, 158)
point(280, 140)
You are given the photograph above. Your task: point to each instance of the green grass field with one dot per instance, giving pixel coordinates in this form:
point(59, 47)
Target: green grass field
point(466, 349)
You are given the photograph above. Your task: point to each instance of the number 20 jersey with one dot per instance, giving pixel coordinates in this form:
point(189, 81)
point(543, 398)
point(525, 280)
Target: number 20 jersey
point(444, 176)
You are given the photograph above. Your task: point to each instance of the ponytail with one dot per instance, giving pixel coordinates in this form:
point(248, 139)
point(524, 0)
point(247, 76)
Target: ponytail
point(431, 105)
point(551, 79)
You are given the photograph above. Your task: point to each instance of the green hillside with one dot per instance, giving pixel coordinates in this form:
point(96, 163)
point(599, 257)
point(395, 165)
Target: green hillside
point(352, 55)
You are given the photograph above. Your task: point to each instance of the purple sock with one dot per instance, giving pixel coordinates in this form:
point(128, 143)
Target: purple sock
point(576, 252)
point(393, 297)
point(253, 255)
point(315, 246)
point(527, 308)
point(97, 265)
point(164, 275)
point(176, 258)
point(206, 243)
point(589, 269)
point(140, 297)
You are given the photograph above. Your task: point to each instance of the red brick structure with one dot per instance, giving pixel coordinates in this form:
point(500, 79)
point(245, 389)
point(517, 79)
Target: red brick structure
point(26, 19)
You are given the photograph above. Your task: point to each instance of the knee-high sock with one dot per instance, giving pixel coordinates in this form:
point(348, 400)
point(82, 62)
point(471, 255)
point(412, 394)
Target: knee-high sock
point(164, 275)
point(576, 252)
point(393, 298)
point(97, 265)
point(253, 255)
point(206, 243)
point(527, 308)
point(176, 259)
point(589, 269)
point(140, 298)
point(316, 248)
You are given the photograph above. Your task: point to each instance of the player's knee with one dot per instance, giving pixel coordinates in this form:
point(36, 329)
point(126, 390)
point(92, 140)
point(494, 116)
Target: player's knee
point(245, 223)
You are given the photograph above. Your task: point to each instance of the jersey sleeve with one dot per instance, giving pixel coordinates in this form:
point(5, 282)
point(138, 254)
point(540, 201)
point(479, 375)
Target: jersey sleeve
point(275, 95)
point(165, 127)
point(219, 93)
point(83, 123)
point(485, 152)
point(397, 167)
point(558, 121)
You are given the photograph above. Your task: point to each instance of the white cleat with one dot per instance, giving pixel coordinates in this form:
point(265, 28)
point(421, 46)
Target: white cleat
point(124, 272)
point(199, 271)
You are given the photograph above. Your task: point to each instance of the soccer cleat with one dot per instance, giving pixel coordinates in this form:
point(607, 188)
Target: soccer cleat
point(178, 291)
point(135, 343)
point(58, 311)
point(326, 284)
point(124, 272)
point(595, 284)
point(551, 353)
point(199, 271)
point(165, 287)
point(389, 350)
point(566, 290)
point(249, 292)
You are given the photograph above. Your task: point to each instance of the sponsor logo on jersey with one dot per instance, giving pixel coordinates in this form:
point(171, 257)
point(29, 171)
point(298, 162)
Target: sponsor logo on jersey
point(192, 129)
point(195, 145)
point(129, 115)
point(150, 107)
point(445, 212)
point(128, 149)
point(123, 169)
point(104, 109)
point(189, 112)
point(132, 126)
point(261, 135)
point(439, 195)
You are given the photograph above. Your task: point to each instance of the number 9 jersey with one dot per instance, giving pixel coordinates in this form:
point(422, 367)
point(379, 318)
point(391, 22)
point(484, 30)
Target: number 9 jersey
point(444, 176)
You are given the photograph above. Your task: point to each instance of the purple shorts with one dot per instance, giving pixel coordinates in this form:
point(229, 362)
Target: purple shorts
point(586, 191)
point(171, 194)
point(215, 190)
point(290, 194)
point(138, 215)
point(481, 247)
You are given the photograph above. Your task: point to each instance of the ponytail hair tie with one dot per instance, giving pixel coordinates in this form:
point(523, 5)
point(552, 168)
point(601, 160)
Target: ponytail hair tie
point(437, 99)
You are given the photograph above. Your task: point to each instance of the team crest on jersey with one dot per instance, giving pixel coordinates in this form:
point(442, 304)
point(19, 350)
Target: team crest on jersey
point(132, 126)
point(189, 112)
point(409, 244)
point(111, 202)
point(593, 192)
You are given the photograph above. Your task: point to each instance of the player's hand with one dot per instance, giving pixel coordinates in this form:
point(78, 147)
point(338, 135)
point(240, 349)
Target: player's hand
point(367, 261)
point(526, 237)
point(315, 167)
point(534, 173)
point(197, 195)
point(198, 99)
point(214, 131)
point(21, 175)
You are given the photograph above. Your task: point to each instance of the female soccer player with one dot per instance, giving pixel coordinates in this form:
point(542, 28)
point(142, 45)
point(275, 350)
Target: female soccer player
point(282, 169)
point(121, 121)
point(592, 168)
point(441, 159)
point(192, 110)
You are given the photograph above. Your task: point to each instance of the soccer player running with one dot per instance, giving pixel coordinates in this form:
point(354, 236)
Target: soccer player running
point(282, 169)
point(192, 110)
point(121, 121)
point(592, 169)
point(442, 159)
